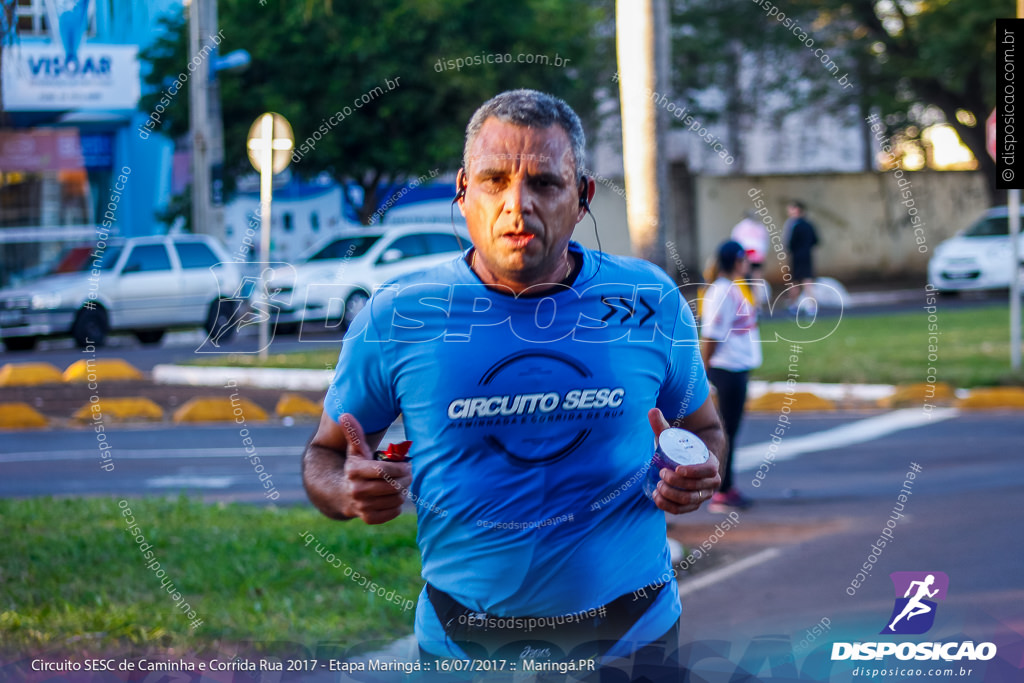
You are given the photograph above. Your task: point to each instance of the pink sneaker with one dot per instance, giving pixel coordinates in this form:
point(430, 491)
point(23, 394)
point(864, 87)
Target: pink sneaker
point(728, 501)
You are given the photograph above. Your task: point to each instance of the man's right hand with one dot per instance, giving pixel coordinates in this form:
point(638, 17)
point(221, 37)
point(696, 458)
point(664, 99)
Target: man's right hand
point(373, 490)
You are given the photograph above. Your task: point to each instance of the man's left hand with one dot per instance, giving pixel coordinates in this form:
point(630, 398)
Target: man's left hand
point(684, 489)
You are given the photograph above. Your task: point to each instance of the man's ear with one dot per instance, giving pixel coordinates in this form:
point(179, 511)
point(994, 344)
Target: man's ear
point(460, 185)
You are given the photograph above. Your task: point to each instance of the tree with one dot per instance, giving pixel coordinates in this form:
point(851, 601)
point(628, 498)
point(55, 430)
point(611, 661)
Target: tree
point(938, 54)
point(915, 62)
point(731, 63)
point(378, 93)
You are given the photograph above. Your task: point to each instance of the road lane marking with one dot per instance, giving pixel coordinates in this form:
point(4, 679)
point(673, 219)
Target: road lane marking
point(704, 580)
point(871, 428)
point(152, 454)
point(192, 482)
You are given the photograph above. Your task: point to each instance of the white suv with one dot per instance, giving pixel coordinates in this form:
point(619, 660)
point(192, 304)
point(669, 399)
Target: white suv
point(143, 285)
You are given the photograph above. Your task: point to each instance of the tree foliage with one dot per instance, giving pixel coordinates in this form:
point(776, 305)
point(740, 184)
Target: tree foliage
point(915, 62)
point(312, 59)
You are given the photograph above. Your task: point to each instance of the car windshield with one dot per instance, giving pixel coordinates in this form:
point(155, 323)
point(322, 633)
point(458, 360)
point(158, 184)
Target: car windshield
point(83, 259)
point(989, 227)
point(346, 247)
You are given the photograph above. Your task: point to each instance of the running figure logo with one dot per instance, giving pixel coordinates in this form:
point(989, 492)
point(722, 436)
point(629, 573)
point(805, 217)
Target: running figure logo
point(914, 612)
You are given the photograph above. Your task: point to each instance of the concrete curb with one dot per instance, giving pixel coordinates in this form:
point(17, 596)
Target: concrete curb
point(100, 369)
point(833, 392)
point(266, 378)
point(120, 409)
point(995, 398)
point(29, 374)
point(219, 409)
point(763, 397)
point(798, 401)
point(296, 405)
point(82, 370)
point(910, 395)
point(839, 396)
point(19, 415)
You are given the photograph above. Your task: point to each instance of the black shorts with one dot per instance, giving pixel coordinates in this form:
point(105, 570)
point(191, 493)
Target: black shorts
point(803, 268)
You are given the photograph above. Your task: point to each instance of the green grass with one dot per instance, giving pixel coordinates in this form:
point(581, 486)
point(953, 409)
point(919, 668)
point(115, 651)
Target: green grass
point(324, 359)
point(973, 348)
point(73, 580)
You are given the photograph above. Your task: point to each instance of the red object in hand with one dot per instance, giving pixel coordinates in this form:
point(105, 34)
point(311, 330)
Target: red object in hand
point(396, 452)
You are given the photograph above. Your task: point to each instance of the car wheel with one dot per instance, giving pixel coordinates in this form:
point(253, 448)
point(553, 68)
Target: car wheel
point(149, 336)
point(91, 327)
point(286, 328)
point(219, 321)
point(20, 343)
point(355, 302)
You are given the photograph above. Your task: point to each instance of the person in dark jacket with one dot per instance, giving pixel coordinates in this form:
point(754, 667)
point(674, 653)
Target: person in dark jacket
point(800, 243)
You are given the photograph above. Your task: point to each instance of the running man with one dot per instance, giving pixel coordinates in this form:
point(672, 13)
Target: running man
point(532, 376)
point(915, 606)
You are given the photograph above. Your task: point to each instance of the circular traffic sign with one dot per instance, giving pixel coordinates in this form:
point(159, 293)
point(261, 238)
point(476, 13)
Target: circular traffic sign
point(270, 142)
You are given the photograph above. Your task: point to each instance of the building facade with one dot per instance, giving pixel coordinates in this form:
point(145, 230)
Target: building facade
point(71, 159)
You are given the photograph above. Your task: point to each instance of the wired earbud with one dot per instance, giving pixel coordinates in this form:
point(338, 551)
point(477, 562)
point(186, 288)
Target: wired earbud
point(584, 180)
point(585, 203)
point(460, 188)
point(460, 193)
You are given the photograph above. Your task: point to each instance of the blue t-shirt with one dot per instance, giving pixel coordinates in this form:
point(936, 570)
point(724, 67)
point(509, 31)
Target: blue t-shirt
point(528, 417)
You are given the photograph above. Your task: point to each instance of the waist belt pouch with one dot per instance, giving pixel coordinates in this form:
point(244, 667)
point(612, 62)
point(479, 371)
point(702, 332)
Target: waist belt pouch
point(573, 636)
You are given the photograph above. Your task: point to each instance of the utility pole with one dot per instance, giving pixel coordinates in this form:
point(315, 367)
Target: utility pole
point(1014, 229)
point(642, 47)
point(207, 130)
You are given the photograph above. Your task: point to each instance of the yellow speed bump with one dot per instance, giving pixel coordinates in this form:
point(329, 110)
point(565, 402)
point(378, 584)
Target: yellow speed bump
point(20, 416)
point(798, 400)
point(100, 369)
point(29, 374)
point(219, 409)
point(995, 397)
point(129, 408)
point(296, 405)
point(909, 395)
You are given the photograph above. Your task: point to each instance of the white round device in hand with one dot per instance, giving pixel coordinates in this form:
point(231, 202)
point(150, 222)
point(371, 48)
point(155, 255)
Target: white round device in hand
point(675, 447)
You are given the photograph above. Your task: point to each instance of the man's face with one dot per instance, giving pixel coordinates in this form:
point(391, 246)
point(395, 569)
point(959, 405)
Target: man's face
point(794, 211)
point(522, 201)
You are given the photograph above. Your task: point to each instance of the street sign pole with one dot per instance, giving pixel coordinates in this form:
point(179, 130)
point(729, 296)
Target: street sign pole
point(270, 150)
point(1013, 208)
point(1014, 205)
point(266, 197)
point(1014, 202)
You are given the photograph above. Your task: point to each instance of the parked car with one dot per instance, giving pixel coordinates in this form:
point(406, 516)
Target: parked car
point(334, 279)
point(978, 257)
point(142, 285)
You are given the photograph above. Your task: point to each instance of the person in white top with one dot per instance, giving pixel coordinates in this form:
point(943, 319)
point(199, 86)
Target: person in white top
point(731, 348)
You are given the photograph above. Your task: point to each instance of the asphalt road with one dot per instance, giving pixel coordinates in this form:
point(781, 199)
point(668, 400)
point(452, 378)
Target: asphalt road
point(823, 511)
point(753, 601)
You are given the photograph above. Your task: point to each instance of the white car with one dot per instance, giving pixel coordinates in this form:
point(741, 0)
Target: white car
point(978, 257)
point(142, 285)
point(336, 277)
